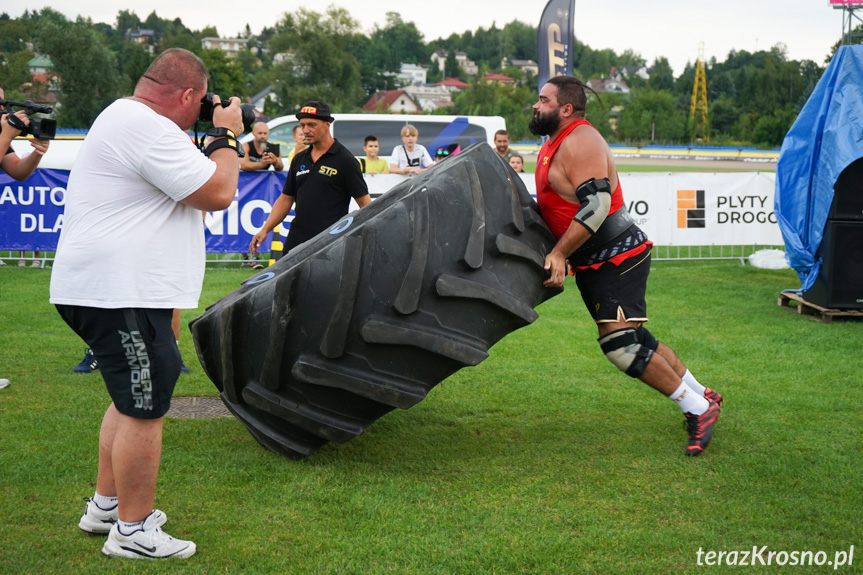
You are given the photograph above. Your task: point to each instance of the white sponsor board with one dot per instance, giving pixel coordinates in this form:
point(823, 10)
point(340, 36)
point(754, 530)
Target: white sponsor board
point(684, 208)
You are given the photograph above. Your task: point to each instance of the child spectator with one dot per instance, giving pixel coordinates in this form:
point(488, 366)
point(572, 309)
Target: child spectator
point(300, 142)
point(372, 164)
point(517, 163)
point(410, 158)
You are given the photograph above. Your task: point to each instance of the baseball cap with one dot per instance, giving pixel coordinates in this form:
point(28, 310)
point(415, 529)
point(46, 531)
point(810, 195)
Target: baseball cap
point(315, 110)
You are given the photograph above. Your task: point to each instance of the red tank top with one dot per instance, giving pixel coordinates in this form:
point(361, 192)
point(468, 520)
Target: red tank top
point(556, 211)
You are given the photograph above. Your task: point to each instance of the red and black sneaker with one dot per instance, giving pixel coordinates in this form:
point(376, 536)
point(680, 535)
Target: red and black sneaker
point(700, 429)
point(713, 396)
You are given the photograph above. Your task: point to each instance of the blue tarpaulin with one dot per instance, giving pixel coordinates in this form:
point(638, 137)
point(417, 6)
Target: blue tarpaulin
point(824, 140)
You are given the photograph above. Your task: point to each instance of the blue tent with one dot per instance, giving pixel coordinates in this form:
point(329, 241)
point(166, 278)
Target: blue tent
point(824, 140)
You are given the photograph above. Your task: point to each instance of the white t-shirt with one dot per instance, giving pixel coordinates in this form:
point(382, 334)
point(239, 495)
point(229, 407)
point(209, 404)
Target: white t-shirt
point(419, 157)
point(126, 241)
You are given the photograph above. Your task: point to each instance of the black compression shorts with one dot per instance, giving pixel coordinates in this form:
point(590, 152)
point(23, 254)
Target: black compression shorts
point(137, 355)
point(616, 293)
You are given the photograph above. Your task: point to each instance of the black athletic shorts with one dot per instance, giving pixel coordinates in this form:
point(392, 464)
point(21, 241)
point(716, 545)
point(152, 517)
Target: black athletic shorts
point(616, 293)
point(137, 355)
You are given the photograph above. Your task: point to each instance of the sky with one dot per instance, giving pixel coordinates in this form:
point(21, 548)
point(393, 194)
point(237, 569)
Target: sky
point(671, 28)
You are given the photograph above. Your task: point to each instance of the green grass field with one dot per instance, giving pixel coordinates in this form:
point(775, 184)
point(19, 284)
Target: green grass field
point(542, 459)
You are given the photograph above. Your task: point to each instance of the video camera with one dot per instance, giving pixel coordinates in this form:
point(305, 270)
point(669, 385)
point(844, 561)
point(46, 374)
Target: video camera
point(40, 128)
point(207, 108)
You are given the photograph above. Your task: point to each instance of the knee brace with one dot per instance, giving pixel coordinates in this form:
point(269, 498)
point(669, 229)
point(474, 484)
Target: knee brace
point(630, 350)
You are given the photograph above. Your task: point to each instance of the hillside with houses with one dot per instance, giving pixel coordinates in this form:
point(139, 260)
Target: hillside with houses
point(81, 66)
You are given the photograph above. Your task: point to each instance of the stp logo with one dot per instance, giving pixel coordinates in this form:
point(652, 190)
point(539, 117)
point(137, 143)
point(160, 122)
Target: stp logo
point(309, 110)
point(328, 171)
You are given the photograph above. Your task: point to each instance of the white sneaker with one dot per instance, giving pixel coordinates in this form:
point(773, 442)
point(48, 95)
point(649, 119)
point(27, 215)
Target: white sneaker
point(4, 383)
point(146, 542)
point(99, 521)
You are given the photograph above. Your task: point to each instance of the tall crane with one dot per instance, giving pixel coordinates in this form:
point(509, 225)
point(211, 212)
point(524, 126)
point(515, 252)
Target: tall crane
point(698, 109)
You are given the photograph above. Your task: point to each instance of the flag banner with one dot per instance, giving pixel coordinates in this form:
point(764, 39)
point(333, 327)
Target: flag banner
point(555, 40)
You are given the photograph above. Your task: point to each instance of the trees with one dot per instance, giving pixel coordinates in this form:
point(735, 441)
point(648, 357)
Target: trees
point(652, 116)
point(495, 99)
point(14, 69)
point(661, 75)
point(320, 67)
point(134, 61)
point(753, 96)
point(86, 68)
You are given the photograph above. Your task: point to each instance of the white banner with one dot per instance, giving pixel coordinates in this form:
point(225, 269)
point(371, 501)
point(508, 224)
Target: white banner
point(684, 208)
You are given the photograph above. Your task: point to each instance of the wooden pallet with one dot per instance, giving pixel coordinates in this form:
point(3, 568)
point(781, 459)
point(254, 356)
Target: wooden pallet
point(818, 313)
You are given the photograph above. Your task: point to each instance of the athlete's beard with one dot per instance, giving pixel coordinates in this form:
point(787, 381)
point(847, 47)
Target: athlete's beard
point(543, 125)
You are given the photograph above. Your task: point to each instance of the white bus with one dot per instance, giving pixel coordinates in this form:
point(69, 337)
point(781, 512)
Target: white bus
point(350, 129)
point(434, 131)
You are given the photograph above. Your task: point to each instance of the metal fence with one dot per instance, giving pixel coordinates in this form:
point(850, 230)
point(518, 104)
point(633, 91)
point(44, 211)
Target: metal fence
point(660, 253)
point(683, 253)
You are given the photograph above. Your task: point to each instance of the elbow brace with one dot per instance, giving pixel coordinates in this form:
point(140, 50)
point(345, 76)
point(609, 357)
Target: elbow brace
point(594, 198)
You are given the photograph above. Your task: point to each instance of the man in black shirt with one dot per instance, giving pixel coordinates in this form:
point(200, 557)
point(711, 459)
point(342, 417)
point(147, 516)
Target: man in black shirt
point(322, 179)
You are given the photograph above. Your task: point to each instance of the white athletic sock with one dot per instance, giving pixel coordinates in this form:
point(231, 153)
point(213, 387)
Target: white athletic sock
point(104, 502)
point(690, 380)
point(688, 400)
point(129, 528)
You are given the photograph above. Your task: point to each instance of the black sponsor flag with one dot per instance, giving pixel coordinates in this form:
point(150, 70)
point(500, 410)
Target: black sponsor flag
point(554, 40)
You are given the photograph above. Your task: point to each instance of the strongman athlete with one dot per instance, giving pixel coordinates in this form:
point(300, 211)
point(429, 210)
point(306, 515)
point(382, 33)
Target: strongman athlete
point(580, 198)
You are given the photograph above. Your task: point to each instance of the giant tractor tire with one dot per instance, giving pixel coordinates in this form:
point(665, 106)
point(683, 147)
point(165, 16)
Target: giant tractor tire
point(374, 312)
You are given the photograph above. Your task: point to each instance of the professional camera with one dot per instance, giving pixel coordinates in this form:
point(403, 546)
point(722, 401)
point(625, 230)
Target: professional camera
point(207, 107)
point(40, 128)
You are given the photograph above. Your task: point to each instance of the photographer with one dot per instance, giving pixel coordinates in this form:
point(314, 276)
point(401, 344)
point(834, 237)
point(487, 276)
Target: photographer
point(131, 250)
point(259, 153)
point(19, 168)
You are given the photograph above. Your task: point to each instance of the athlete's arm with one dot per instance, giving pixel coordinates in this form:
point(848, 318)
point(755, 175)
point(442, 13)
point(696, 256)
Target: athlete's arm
point(581, 156)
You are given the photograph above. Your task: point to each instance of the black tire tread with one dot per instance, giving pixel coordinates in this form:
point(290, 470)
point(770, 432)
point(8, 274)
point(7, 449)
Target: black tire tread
point(369, 318)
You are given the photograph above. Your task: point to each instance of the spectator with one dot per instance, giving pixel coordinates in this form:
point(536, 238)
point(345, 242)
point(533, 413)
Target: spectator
point(517, 163)
point(299, 142)
point(440, 155)
point(138, 170)
point(501, 144)
point(321, 181)
point(410, 157)
point(257, 155)
point(372, 164)
point(88, 363)
point(17, 167)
